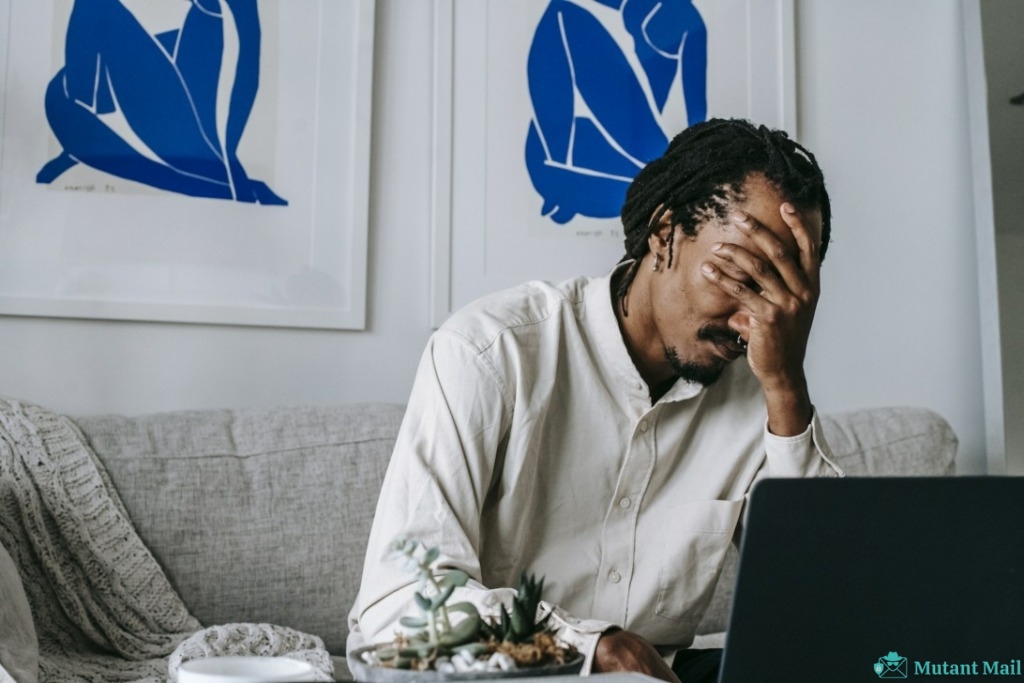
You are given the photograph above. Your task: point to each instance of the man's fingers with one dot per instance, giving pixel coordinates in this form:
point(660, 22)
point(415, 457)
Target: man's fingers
point(743, 266)
point(809, 245)
point(735, 288)
point(785, 258)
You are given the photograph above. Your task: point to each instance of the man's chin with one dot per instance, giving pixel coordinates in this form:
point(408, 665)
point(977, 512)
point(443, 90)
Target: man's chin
point(705, 374)
point(700, 373)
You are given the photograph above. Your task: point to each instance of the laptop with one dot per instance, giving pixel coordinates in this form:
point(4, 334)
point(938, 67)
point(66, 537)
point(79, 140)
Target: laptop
point(861, 579)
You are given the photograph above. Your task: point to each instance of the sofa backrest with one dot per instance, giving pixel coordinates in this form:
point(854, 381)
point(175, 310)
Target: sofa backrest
point(255, 515)
point(263, 515)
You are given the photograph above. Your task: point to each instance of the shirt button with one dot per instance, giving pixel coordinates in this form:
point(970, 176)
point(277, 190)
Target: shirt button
point(614, 576)
point(625, 502)
point(644, 426)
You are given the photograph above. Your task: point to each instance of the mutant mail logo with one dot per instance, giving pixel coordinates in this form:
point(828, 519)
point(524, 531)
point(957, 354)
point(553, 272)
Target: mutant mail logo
point(894, 665)
point(891, 666)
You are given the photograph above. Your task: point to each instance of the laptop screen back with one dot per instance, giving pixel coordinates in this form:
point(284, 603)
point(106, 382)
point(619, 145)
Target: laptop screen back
point(864, 578)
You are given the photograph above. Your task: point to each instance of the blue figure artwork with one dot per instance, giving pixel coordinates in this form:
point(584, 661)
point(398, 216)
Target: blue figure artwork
point(594, 127)
point(186, 95)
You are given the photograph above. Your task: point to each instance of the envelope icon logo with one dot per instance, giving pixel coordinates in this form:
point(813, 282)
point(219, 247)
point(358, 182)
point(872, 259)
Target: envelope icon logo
point(891, 666)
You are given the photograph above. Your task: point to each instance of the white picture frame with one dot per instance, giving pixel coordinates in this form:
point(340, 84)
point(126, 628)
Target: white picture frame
point(487, 230)
point(93, 245)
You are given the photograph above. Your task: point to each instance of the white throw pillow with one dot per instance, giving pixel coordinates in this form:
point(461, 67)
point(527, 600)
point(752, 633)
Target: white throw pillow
point(19, 648)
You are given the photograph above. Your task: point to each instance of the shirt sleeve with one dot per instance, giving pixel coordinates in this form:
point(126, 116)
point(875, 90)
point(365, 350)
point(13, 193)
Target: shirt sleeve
point(442, 467)
point(803, 455)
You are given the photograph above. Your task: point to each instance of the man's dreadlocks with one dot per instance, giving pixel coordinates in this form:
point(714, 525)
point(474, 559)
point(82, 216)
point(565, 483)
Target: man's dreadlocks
point(701, 176)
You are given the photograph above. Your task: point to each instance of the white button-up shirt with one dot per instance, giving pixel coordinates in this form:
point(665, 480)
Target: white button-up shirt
point(530, 444)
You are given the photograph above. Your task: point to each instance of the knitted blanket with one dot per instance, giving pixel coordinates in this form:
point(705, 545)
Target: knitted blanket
point(104, 610)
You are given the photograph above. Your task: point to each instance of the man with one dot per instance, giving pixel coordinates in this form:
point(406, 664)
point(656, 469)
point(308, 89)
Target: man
point(604, 432)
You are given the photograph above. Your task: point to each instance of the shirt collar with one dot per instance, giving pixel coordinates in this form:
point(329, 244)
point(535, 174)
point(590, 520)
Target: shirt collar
point(604, 327)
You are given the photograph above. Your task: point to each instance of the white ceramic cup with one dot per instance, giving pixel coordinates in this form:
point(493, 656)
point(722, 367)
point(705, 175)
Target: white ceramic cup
point(244, 670)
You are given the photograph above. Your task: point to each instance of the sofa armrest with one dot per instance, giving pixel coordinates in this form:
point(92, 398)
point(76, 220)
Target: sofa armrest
point(890, 442)
point(255, 515)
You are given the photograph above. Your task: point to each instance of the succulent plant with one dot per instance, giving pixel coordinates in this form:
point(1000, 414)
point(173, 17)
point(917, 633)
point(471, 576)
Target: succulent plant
point(520, 624)
point(434, 635)
point(433, 629)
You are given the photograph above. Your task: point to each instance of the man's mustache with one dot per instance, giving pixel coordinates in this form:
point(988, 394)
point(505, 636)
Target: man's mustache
point(717, 334)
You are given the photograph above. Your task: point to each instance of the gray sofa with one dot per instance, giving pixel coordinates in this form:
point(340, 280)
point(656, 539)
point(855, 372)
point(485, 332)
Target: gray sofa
point(263, 515)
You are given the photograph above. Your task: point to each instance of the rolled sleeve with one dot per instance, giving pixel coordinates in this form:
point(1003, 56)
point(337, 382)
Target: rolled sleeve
point(582, 634)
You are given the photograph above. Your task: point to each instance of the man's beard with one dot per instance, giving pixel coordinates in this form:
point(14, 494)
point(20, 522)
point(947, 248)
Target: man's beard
point(705, 374)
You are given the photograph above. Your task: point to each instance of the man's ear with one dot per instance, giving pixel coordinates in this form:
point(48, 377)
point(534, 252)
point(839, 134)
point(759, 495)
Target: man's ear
point(662, 234)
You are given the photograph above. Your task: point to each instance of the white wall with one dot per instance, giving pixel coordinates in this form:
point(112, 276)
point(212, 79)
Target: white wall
point(89, 366)
point(881, 91)
point(882, 102)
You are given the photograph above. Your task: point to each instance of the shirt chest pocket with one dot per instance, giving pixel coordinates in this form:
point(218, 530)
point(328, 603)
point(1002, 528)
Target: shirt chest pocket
point(694, 550)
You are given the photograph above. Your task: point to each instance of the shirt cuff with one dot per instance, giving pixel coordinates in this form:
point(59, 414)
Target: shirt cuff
point(582, 634)
point(802, 455)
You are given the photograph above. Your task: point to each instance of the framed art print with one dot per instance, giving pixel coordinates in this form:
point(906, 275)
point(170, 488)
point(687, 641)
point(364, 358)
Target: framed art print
point(198, 161)
point(545, 110)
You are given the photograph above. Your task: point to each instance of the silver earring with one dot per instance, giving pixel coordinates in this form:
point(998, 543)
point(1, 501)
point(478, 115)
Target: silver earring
point(739, 340)
point(657, 262)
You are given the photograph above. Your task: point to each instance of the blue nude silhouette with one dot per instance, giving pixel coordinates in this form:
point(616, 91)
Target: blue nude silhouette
point(594, 127)
point(167, 87)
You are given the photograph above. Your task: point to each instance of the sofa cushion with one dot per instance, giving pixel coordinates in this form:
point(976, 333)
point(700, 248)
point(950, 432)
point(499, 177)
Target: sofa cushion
point(874, 442)
point(255, 515)
point(19, 649)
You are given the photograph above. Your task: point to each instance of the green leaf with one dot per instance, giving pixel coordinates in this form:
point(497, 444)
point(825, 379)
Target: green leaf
point(413, 622)
point(442, 597)
point(488, 630)
point(520, 623)
point(464, 608)
point(422, 601)
point(456, 577)
point(432, 555)
point(506, 624)
point(463, 632)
